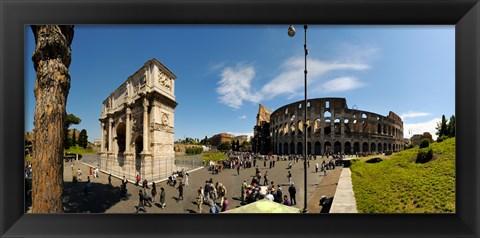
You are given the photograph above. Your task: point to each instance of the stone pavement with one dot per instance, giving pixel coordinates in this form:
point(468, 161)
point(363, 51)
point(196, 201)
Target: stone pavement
point(106, 198)
point(344, 201)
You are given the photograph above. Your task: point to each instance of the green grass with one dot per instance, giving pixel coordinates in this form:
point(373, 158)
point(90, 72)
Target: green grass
point(215, 156)
point(79, 150)
point(399, 185)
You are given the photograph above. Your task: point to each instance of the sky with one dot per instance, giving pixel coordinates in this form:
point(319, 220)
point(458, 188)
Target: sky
point(225, 71)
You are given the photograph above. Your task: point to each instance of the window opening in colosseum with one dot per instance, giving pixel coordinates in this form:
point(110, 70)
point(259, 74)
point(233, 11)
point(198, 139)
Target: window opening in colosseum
point(327, 114)
point(379, 129)
point(299, 148)
point(327, 147)
point(285, 148)
point(327, 127)
point(364, 116)
point(380, 149)
point(318, 148)
point(365, 147)
point(337, 126)
point(300, 127)
point(292, 148)
point(308, 104)
point(337, 147)
point(286, 111)
point(300, 105)
point(292, 118)
point(372, 147)
point(327, 104)
point(345, 120)
point(347, 148)
point(317, 126)
point(309, 148)
point(292, 128)
point(356, 147)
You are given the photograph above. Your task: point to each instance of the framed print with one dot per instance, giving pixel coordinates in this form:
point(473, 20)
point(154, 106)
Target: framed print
point(205, 29)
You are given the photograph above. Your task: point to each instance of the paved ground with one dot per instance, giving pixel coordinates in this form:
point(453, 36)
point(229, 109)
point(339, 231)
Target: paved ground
point(344, 201)
point(106, 198)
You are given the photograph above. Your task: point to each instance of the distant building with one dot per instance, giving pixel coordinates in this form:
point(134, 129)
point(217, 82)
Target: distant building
point(261, 142)
point(97, 142)
point(218, 139)
point(241, 138)
point(417, 138)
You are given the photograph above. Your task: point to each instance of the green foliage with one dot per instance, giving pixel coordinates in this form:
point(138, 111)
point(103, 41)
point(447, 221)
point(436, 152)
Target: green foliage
point(194, 150)
point(442, 127)
point(83, 138)
point(441, 138)
point(424, 156)
point(224, 146)
point(79, 150)
point(72, 120)
point(424, 143)
point(74, 142)
point(214, 156)
point(451, 126)
point(400, 185)
point(411, 146)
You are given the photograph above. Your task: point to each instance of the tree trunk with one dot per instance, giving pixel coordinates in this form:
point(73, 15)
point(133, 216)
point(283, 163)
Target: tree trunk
point(51, 60)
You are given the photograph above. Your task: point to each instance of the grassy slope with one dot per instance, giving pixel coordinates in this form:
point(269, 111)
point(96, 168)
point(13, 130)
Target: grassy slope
point(399, 185)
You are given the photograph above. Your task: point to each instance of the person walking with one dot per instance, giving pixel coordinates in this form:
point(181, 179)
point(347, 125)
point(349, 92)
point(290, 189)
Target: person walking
point(79, 174)
point(110, 179)
point(292, 191)
point(141, 206)
point(225, 205)
point(324, 170)
point(244, 190)
point(289, 176)
point(316, 167)
point(180, 191)
point(199, 200)
point(279, 194)
point(186, 179)
point(162, 198)
point(265, 177)
point(222, 193)
point(146, 197)
point(154, 191)
point(238, 169)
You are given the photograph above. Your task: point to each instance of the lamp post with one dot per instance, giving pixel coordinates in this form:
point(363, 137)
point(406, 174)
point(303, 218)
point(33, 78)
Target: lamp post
point(291, 33)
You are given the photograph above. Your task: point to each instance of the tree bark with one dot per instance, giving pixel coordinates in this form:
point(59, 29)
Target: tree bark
point(51, 60)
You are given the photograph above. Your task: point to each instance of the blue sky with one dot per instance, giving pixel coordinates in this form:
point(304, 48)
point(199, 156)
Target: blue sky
point(224, 71)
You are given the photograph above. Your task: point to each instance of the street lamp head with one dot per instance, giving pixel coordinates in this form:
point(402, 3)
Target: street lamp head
point(291, 31)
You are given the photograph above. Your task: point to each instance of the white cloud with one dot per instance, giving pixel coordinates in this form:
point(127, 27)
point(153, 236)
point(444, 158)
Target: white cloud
point(341, 84)
point(411, 114)
point(418, 128)
point(290, 81)
point(235, 86)
point(242, 117)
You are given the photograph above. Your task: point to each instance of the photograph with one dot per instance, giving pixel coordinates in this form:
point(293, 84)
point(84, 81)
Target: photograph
point(244, 118)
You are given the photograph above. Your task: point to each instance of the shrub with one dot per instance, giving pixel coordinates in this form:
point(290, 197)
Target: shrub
point(374, 160)
point(424, 143)
point(441, 138)
point(193, 150)
point(410, 146)
point(423, 156)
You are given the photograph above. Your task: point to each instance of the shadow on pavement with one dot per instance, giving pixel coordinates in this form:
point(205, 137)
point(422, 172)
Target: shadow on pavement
point(101, 197)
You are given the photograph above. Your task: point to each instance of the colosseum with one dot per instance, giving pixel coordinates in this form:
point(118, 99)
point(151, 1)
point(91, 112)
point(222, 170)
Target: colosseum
point(332, 127)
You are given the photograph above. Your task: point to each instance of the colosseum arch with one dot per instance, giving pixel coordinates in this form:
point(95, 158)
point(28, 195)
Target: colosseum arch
point(355, 126)
point(347, 148)
point(337, 147)
point(318, 148)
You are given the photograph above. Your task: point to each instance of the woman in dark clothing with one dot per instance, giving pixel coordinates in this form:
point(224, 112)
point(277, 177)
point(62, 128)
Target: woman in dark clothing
point(154, 191)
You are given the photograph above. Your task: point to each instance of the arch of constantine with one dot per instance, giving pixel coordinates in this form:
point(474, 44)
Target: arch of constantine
point(137, 125)
point(332, 127)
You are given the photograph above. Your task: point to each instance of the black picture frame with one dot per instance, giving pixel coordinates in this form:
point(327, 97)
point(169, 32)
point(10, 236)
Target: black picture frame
point(465, 15)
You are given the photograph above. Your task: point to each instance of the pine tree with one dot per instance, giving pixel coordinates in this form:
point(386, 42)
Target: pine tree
point(451, 126)
point(83, 138)
point(51, 59)
point(442, 127)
